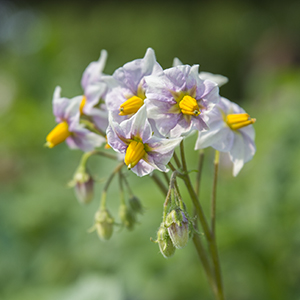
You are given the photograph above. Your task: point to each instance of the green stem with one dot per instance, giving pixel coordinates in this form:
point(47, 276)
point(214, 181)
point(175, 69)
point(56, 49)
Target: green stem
point(214, 192)
point(200, 168)
point(127, 184)
point(121, 188)
point(159, 183)
point(166, 177)
point(183, 156)
point(102, 153)
point(108, 182)
point(213, 243)
point(177, 161)
point(205, 262)
point(171, 166)
point(207, 232)
point(91, 126)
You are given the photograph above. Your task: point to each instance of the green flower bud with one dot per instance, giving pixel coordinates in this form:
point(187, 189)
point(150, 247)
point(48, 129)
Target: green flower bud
point(165, 244)
point(178, 227)
point(136, 205)
point(104, 224)
point(127, 216)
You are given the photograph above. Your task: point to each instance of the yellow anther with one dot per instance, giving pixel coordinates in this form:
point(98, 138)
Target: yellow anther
point(189, 106)
point(82, 104)
point(134, 153)
point(58, 134)
point(107, 146)
point(131, 106)
point(237, 121)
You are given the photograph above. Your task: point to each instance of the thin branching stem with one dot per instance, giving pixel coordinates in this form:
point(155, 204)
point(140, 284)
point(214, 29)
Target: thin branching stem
point(108, 182)
point(177, 161)
point(183, 161)
point(159, 183)
point(214, 193)
point(199, 173)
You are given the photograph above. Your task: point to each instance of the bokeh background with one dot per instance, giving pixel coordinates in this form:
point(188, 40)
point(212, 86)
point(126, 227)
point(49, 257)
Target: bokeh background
point(45, 250)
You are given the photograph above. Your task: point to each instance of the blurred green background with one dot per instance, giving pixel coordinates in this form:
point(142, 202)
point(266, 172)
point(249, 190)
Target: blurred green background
point(45, 250)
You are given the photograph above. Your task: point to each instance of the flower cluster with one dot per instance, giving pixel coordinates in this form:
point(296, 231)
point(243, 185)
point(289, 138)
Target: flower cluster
point(143, 112)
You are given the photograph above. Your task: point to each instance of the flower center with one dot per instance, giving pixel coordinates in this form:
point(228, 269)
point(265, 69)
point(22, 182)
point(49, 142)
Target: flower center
point(134, 153)
point(237, 121)
point(189, 106)
point(131, 106)
point(58, 134)
point(82, 104)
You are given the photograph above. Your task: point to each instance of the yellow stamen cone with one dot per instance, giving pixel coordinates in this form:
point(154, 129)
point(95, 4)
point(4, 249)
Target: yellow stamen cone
point(237, 121)
point(189, 106)
point(82, 104)
point(131, 106)
point(58, 134)
point(134, 153)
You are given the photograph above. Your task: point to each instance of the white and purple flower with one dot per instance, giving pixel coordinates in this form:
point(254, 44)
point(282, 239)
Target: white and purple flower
point(230, 131)
point(67, 114)
point(143, 151)
point(217, 78)
point(95, 85)
point(178, 100)
point(125, 99)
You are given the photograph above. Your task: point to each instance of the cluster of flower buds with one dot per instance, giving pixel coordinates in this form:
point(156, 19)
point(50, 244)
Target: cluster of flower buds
point(143, 112)
point(174, 232)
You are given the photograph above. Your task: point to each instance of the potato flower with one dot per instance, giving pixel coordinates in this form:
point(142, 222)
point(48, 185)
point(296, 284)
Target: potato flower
point(178, 100)
point(66, 112)
point(143, 151)
point(230, 131)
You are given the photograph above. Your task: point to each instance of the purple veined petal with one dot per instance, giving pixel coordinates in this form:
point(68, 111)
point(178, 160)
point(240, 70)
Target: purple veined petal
point(100, 118)
point(220, 139)
point(163, 146)
point(249, 131)
point(177, 77)
point(157, 161)
point(159, 87)
point(237, 153)
point(138, 125)
point(116, 97)
point(73, 122)
point(154, 129)
point(176, 62)
point(117, 130)
point(131, 74)
point(94, 70)
point(114, 140)
point(73, 108)
point(59, 104)
point(166, 123)
point(182, 127)
point(249, 147)
point(142, 168)
point(210, 95)
point(217, 78)
point(186, 124)
point(93, 93)
point(193, 79)
point(84, 139)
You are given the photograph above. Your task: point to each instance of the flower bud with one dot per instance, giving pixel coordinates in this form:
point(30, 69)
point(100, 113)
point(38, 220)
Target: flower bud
point(127, 216)
point(84, 186)
point(104, 224)
point(178, 227)
point(136, 204)
point(165, 244)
